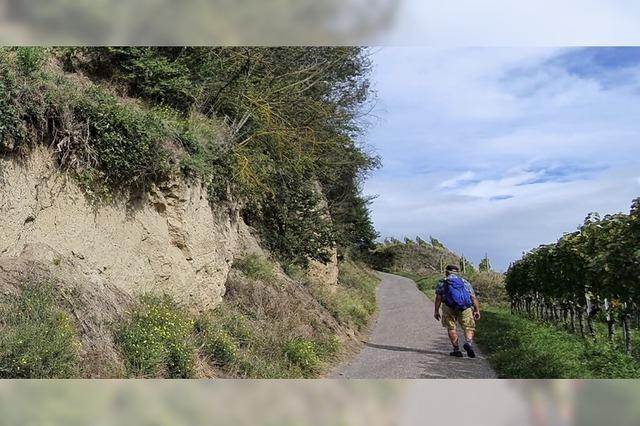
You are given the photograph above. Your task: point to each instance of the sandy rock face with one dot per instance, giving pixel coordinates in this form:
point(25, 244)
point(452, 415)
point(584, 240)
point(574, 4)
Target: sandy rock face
point(170, 240)
point(324, 274)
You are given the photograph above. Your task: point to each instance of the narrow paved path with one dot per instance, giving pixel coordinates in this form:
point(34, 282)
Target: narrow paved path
point(407, 342)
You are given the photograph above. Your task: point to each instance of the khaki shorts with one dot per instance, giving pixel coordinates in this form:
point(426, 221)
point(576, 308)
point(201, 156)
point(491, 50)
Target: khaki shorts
point(452, 317)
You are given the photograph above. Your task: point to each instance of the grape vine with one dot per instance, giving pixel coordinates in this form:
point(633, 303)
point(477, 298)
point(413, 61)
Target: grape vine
point(589, 275)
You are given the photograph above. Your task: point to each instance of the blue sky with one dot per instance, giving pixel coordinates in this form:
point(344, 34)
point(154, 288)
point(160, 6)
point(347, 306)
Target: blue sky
point(498, 150)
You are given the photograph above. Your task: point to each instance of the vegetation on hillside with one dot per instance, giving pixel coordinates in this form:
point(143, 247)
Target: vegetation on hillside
point(274, 129)
point(418, 257)
point(268, 326)
point(424, 262)
point(156, 339)
point(273, 326)
point(272, 132)
point(353, 301)
point(37, 337)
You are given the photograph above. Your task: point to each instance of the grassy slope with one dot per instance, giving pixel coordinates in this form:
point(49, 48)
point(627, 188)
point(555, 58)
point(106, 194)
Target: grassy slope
point(288, 333)
point(524, 348)
point(269, 326)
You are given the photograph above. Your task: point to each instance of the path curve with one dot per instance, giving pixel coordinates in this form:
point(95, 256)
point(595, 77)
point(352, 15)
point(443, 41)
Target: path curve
point(407, 342)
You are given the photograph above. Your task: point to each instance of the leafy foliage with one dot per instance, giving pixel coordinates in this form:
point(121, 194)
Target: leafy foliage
point(93, 133)
point(353, 302)
point(295, 225)
point(30, 59)
point(485, 264)
point(156, 340)
point(224, 334)
point(38, 339)
point(240, 347)
point(256, 267)
point(303, 353)
point(417, 258)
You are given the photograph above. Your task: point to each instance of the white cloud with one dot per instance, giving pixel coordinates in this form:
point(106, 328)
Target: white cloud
point(458, 180)
point(499, 150)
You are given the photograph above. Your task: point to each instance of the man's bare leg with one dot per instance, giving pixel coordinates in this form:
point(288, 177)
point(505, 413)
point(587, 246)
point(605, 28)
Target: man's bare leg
point(468, 345)
point(453, 336)
point(468, 335)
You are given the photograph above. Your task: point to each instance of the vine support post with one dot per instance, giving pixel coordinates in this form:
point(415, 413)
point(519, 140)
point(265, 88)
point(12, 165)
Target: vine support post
point(573, 321)
point(589, 316)
point(626, 329)
point(610, 320)
point(592, 332)
point(580, 321)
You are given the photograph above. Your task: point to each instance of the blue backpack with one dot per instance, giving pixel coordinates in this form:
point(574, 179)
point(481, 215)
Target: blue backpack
point(456, 296)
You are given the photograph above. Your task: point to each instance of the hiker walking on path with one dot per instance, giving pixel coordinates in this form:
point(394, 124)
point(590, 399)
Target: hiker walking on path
point(459, 306)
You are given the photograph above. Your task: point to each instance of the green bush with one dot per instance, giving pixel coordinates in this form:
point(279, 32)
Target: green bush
point(352, 311)
point(38, 339)
point(145, 73)
point(292, 222)
point(261, 350)
point(156, 340)
point(490, 288)
point(353, 302)
point(125, 141)
point(347, 307)
point(242, 347)
point(220, 347)
point(30, 59)
point(252, 365)
point(256, 267)
point(96, 135)
point(294, 271)
point(11, 127)
point(328, 347)
point(223, 333)
point(302, 353)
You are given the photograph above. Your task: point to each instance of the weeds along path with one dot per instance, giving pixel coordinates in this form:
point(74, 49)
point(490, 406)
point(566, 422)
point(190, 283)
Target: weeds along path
point(406, 342)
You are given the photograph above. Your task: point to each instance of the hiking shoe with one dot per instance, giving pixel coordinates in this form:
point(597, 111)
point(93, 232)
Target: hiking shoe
point(457, 353)
point(470, 353)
